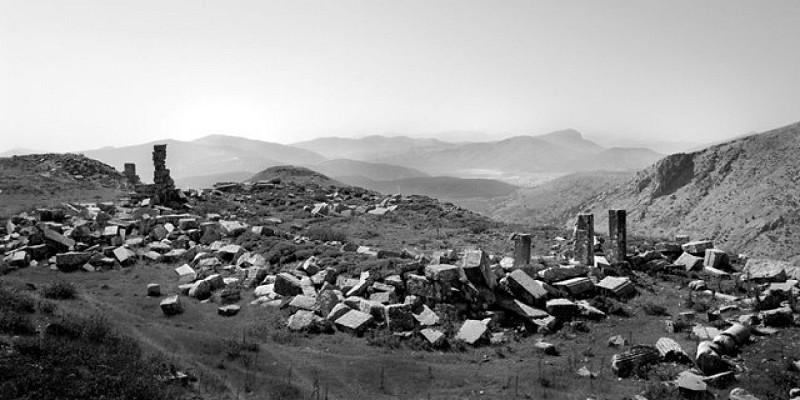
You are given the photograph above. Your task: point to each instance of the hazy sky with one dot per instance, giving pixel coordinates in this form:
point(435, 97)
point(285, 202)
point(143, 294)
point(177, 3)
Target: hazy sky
point(84, 74)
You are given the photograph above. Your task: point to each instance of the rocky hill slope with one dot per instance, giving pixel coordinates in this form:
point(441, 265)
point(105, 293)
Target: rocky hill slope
point(53, 173)
point(742, 193)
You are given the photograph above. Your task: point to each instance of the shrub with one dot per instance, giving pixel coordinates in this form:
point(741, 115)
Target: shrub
point(326, 234)
point(16, 324)
point(87, 359)
point(14, 301)
point(654, 309)
point(61, 290)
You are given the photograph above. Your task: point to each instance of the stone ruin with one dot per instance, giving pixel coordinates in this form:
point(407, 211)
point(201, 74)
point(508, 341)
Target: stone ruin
point(130, 173)
point(162, 191)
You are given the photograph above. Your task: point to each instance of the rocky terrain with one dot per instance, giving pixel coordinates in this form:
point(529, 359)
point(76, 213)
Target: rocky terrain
point(294, 286)
point(741, 192)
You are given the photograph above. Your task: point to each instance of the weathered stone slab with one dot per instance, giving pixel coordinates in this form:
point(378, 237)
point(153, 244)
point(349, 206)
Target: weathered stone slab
point(303, 320)
point(472, 332)
point(399, 318)
point(354, 322)
point(302, 302)
point(72, 260)
point(617, 286)
point(528, 289)
point(562, 272)
point(690, 382)
point(426, 317)
point(433, 336)
point(337, 311)
point(579, 286)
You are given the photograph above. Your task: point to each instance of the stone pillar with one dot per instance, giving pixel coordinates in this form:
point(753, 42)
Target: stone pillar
point(584, 239)
point(522, 250)
point(617, 236)
point(130, 173)
point(164, 185)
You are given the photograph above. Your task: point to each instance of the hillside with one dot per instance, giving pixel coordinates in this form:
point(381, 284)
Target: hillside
point(290, 173)
point(556, 201)
point(373, 171)
point(742, 193)
point(44, 179)
point(211, 155)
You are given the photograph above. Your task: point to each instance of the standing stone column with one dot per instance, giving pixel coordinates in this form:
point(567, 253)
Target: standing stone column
point(617, 236)
point(584, 239)
point(164, 185)
point(522, 249)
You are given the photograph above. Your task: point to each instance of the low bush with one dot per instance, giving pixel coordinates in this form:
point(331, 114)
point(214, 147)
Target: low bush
point(85, 358)
point(326, 234)
point(15, 301)
point(61, 290)
point(16, 324)
point(654, 309)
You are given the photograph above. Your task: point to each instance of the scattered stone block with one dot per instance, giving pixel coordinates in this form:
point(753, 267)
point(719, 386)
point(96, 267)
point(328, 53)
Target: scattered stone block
point(590, 312)
point(124, 256)
point(741, 394)
point(688, 381)
point(546, 348)
point(229, 310)
point(200, 290)
point(338, 311)
point(620, 287)
point(186, 274)
point(767, 270)
point(705, 332)
point(617, 341)
point(354, 322)
point(72, 260)
point(303, 320)
point(399, 318)
point(698, 247)
point(302, 302)
point(527, 289)
point(426, 316)
point(154, 290)
point(561, 308)
point(689, 262)
point(720, 380)
point(472, 332)
point(442, 272)
point(475, 265)
point(778, 317)
point(19, 259)
point(562, 272)
point(171, 306)
point(434, 337)
point(577, 287)
point(326, 300)
point(716, 258)
point(287, 285)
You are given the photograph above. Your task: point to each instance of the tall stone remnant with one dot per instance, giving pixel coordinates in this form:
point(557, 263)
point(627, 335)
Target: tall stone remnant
point(130, 173)
point(522, 249)
point(164, 186)
point(584, 239)
point(617, 236)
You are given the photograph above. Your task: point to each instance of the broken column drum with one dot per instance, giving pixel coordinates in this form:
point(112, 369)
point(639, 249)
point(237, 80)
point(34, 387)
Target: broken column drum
point(617, 236)
point(522, 250)
point(584, 239)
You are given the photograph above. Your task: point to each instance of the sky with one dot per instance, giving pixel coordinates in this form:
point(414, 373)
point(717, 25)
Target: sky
point(77, 75)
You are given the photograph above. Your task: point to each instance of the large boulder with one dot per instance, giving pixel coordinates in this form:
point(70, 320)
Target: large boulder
point(72, 260)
